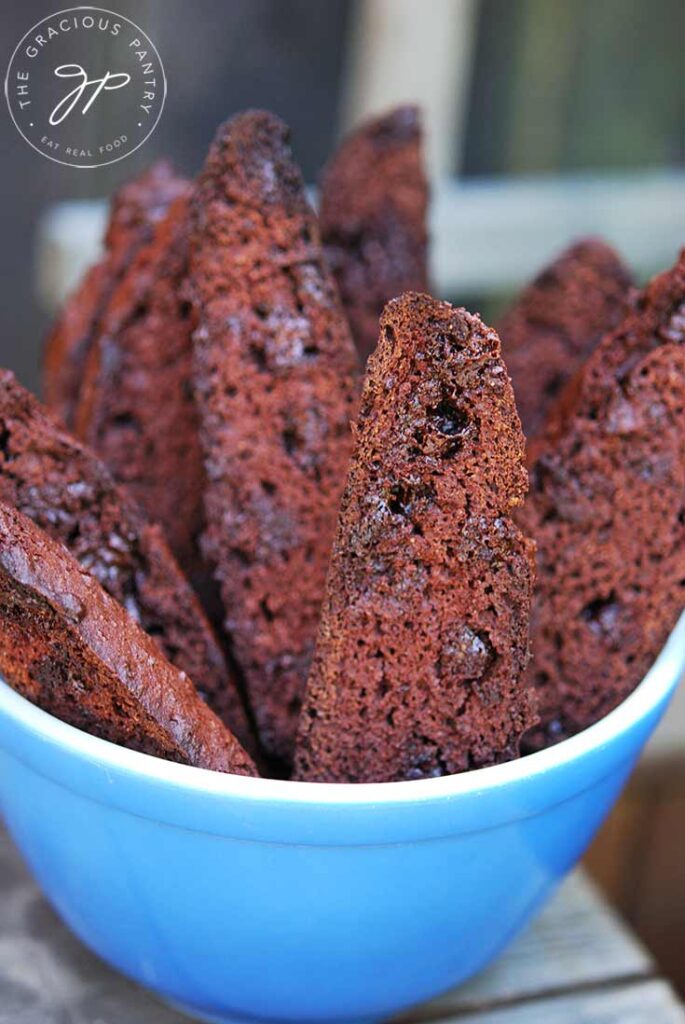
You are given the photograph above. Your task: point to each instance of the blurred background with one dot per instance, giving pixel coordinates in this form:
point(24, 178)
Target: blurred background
point(546, 119)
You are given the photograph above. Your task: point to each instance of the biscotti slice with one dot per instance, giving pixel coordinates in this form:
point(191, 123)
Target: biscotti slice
point(606, 511)
point(64, 488)
point(657, 317)
point(136, 208)
point(557, 321)
point(374, 198)
point(275, 371)
point(72, 650)
point(419, 664)
point(136, 408)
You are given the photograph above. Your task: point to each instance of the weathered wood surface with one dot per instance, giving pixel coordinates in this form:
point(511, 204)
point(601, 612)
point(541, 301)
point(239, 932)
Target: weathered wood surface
point(577, 964)
point(646, 1002)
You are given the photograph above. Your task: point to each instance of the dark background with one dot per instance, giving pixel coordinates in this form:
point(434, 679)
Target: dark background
point(556, 85)
point(219, 57)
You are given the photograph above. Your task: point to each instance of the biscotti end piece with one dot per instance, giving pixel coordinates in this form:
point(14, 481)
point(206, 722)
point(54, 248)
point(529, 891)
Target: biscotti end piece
point(423, 643)
point(72, 650)
point(606, 511)
point(656, 317)
point(136, 407)
point(68, 492)
point(275, 380)
point(143, 202)
point(557, 321)
point(136, 208)
point(374, 198)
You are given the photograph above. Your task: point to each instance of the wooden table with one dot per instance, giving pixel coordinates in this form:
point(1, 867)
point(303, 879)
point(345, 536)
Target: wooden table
point(577, 964)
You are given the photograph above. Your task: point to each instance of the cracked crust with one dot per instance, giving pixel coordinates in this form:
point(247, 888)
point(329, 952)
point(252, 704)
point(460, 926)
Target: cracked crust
point(72, 650)
point(423, 641)
point(374, 198)
point(275, 372)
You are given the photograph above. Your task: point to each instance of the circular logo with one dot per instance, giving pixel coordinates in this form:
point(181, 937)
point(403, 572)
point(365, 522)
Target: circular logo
point(85, 87)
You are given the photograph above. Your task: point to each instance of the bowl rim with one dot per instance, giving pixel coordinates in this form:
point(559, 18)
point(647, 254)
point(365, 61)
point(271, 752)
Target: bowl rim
point(655, 687)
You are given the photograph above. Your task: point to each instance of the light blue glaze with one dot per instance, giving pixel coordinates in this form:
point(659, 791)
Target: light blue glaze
point(248, 898)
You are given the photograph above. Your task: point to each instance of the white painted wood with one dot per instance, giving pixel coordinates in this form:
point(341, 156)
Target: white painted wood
point(576, 942)
point(68, 240)
point(413, 51)
point(648, 1002)
point(491, 234)
point(488, 235)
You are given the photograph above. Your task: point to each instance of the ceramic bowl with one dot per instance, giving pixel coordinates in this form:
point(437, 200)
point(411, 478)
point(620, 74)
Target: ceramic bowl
point(251, 899)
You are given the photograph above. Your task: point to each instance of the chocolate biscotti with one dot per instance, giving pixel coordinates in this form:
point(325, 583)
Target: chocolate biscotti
point(606, 511)
point(72, 650)
point(136, 208)
point(275, 370)
point(63, 487)
point(374, 197)
point(420, 659)
point(657, 317)
point(557, 321)
point(136, 408)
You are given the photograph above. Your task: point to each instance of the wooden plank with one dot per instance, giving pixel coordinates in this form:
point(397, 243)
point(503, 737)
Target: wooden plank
point(615, 859)
point(647, 1002)
point(659, 909)
point(577, 941)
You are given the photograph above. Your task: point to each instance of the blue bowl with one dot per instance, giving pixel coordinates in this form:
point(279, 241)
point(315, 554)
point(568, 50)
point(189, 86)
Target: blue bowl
point(238, 898)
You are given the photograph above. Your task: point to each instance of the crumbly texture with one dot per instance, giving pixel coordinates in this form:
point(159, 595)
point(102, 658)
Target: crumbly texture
point(70, 648)
point(67, 491)
point(606, 509)
point(420, 658)
point(557, 321)
point(136, 208)
point(275, 371)
point(374, 198)
point(137, 409)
